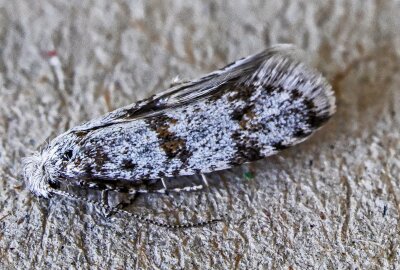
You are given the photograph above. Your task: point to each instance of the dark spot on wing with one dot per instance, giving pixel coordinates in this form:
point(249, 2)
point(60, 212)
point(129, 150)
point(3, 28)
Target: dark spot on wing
point(173, 145)
point(296, 94)
point(270, 89)
point(67, 155)
point(300, 133)
point(100, 158)
point(81, 133)
point(249, 153)
point(279, 146)
point(54, 184)
point(315, 120)
point(176, 172)
point(128, 164)
point(247, 150)
point(240, 112)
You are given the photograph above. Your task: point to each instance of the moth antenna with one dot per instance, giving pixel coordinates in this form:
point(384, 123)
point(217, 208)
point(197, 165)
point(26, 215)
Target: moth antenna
point(136, 216)
point(78, 198)
point(167, 225)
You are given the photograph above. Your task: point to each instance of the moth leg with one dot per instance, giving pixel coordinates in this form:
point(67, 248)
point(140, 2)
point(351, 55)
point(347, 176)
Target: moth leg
point(166, 191)
point(107, 210)
point(104, 196)
point(187, 188)
point(164, 185)
point(204, 179)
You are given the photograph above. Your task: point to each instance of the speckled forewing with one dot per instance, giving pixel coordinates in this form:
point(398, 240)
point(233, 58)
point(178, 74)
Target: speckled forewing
point(270, 105)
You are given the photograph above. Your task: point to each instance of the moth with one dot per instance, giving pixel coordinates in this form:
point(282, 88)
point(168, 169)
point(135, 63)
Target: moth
point(246, 111)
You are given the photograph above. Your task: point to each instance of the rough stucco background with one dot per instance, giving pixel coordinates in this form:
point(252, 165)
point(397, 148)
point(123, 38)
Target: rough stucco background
point(331, 202)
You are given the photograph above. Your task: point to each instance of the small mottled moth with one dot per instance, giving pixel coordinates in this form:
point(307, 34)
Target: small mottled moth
point(248, 110)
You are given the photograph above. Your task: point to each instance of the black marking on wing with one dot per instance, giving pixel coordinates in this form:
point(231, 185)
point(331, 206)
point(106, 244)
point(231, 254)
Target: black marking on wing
point(173, 145)
point(315, 120)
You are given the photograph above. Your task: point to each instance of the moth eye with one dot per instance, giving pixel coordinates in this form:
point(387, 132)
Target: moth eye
point(67, 155)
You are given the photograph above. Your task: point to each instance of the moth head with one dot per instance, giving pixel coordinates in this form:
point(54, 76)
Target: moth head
point(35, 175)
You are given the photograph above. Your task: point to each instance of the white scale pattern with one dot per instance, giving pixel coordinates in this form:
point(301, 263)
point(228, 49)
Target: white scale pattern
point(120, 146)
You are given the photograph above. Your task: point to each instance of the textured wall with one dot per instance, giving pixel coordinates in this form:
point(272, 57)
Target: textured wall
point(331, 202)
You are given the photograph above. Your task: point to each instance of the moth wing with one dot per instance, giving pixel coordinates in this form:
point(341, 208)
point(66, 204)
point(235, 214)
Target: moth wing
point(189, 92)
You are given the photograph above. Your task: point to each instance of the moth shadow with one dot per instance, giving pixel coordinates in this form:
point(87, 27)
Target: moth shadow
point(366, 92)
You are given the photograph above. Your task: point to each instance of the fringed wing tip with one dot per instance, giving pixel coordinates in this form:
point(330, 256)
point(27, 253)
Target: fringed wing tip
point(282, 68)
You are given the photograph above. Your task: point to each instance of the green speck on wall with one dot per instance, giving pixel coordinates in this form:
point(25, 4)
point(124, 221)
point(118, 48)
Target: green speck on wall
point(248, 175)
